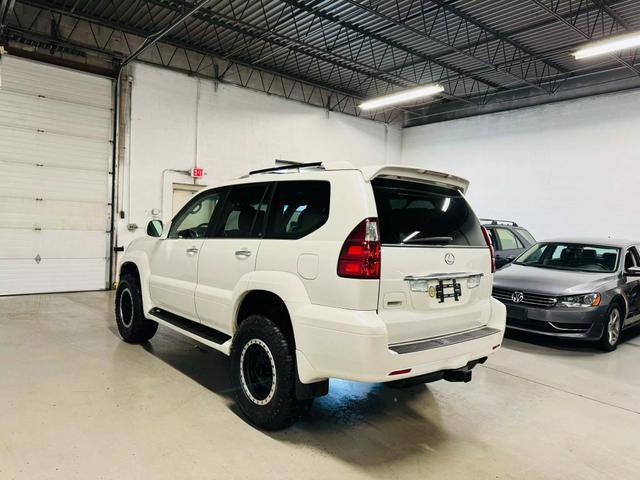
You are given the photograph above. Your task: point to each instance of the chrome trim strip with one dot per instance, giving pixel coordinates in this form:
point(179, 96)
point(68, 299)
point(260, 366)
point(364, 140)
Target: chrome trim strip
point(443, 276)
point(576, 330)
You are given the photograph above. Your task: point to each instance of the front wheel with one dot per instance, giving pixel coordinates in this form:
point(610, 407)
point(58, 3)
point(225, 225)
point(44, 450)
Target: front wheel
point(612, 329)
point(263, 372)
point(133, 326)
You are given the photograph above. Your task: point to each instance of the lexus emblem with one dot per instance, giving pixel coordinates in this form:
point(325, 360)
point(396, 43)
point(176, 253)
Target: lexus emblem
point(449, 258)
point(517, 297)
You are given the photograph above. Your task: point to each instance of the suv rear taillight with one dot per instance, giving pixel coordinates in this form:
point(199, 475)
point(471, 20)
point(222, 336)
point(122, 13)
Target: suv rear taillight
point(487, 239)
point(360, 254)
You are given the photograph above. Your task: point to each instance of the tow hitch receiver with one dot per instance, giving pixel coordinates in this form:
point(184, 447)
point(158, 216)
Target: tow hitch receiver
point(462, 374)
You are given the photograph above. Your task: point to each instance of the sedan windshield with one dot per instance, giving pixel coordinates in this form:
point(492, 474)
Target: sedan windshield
point(571, 256)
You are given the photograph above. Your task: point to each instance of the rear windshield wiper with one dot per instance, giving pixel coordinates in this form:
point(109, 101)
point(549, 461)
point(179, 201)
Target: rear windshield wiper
point(428, 240)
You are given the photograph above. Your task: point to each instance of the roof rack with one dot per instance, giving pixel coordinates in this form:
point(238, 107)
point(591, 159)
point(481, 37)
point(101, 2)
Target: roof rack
point(292, 166)
point(490, 221)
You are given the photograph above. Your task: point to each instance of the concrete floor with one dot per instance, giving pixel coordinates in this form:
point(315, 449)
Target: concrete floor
point(76, 402)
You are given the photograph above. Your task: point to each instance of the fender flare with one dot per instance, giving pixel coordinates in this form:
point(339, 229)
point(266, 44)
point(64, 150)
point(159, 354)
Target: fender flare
point(287, 286)
point(141, 261)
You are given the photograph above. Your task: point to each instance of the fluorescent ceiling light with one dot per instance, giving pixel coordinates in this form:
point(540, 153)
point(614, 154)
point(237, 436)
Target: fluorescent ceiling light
point(402, 97)
point(613, 44)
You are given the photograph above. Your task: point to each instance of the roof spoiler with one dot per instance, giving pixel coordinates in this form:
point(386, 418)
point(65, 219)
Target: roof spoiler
point(416, 173)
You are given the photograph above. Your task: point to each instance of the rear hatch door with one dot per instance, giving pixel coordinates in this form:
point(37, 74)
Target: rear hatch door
point(436, 266)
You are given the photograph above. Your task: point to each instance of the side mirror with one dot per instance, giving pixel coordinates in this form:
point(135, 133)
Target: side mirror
point(154, 228)
point(633, 272)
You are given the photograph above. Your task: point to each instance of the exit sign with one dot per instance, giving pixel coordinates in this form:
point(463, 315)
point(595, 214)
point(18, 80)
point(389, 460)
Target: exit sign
point(197, 172)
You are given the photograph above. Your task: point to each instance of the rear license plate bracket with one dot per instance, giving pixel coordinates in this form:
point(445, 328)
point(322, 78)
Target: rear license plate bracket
point(454, 287)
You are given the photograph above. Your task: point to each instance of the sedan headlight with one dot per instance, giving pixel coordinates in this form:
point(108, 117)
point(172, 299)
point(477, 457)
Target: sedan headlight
point(587, 300)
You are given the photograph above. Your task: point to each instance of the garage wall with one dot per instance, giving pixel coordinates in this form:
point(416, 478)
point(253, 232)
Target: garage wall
point(176, 119)
point(571, 168)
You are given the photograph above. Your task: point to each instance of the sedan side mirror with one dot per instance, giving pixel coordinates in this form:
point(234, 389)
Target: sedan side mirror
point(154, 228)
point(633, 272)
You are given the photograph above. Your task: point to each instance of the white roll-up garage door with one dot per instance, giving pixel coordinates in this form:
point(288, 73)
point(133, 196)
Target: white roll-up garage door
point(55, 156)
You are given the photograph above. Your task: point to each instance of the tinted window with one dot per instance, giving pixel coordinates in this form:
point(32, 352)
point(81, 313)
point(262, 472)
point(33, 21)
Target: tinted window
point(193, 220)
point(631, 259)
point(508, 240)
point(298, 208)
point(421, 214)
point(526, 235)
point(492, 236)
point(571, 256)
point(243, 213)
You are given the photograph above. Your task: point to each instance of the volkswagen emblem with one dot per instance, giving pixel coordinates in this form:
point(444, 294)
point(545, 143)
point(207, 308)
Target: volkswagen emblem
point(517, 297)
point(449, 258)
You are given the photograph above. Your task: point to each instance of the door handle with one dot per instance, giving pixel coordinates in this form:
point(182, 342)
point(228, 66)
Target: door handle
point(243, 253)
point(192, 250)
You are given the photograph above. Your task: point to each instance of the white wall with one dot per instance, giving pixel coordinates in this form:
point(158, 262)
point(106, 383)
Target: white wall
point(230, 131)
point(571, 168)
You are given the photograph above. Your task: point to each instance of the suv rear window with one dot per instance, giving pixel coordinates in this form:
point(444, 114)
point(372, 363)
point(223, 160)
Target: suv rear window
point(298, 208)
point(421, 214)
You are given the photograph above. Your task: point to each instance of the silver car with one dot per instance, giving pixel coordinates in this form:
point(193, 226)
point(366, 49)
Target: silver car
point(587, 289)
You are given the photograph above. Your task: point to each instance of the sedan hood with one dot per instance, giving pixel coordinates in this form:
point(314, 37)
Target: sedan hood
point(550, 281)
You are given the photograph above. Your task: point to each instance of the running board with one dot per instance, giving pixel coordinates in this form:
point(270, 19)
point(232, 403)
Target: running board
point(444, 341)
point(207, 335)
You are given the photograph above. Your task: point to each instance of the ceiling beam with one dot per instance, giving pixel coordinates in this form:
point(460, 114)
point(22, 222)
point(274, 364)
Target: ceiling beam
point(154, 38)
point(586, 35)
point(444, 44)
point(424, 58)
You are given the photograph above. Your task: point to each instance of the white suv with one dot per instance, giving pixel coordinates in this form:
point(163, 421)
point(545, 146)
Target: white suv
point(320, 271)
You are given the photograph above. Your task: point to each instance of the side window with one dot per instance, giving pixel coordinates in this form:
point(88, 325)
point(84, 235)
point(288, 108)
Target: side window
point(508, 240)
point(631, 259)
point(298, 208)
point(527, 236)
point(244, 212)
point(492, 236)
point(193, 220)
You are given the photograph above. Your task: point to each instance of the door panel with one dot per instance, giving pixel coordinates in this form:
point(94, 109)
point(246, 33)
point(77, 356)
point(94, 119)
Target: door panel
point(435, 276)
point(174, 271)
point(230, 254)
point(632, 285)
point(221, 265)
point(174, 260)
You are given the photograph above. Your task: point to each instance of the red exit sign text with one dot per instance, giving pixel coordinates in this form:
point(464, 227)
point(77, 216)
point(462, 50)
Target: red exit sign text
point(197, 172)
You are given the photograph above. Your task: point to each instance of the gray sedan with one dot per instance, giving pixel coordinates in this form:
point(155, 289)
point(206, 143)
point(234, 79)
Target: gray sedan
point(573, 288)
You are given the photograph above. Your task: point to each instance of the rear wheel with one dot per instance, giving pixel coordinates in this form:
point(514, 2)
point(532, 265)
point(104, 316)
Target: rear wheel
point(612, 329)
point(132, 324)
point(263, 373)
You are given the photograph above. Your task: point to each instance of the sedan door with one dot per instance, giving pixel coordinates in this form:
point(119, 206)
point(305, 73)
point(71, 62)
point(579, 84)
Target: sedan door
point(229, 253)
point(632, 285)
point(174, 260)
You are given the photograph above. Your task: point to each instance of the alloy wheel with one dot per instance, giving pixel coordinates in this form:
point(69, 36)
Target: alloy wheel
point(126, 307)
point(613, 326)
point(257, 372)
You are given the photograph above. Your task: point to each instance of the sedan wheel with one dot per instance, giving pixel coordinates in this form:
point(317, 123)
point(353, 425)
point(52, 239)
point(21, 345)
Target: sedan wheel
point(614, 326)
point(612, 330)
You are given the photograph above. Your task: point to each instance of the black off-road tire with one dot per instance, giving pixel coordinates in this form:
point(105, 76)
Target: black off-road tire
point(132, 324)
point(259, 350)
point(606, 342)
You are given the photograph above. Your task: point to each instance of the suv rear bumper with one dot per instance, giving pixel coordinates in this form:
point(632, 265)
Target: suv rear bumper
point(353, 345)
